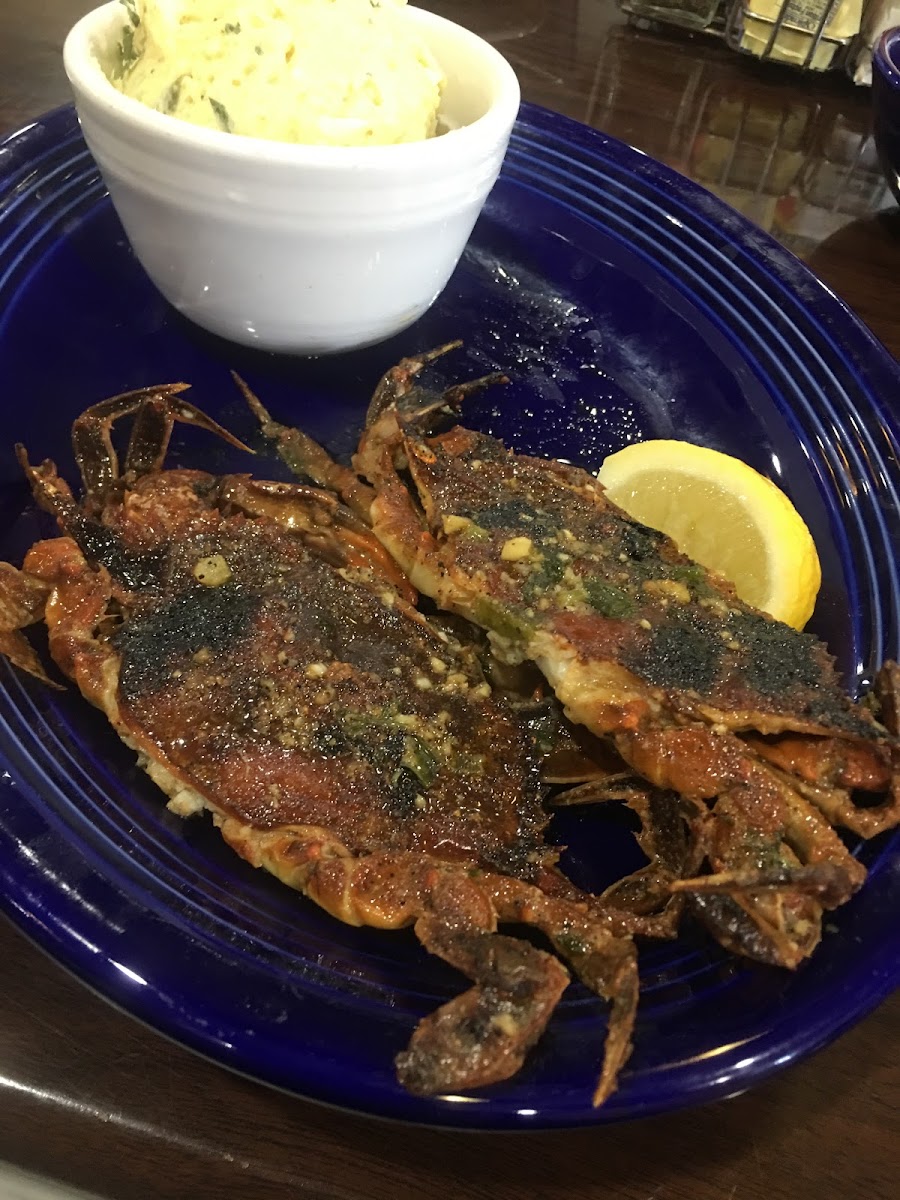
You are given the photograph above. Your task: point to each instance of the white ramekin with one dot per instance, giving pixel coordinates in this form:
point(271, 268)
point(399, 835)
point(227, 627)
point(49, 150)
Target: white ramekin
point(304, 249)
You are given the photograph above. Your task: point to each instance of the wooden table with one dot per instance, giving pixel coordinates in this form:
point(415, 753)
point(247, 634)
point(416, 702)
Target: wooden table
point(89, 1097)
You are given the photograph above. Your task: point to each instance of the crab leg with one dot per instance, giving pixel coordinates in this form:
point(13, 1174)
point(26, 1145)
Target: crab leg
point(479, 1037)
point(764, 840)
point(75, 607)
point(306, 457)
point(323, 523)
point(22, 600)
point(483, 1035)
point(152, 430)
point(827, 772)
point(98, 543)
point(757, 814)
point(157, 410)
point(604, 963)
point(397, 383)
point(92, 435)
point(739, 927)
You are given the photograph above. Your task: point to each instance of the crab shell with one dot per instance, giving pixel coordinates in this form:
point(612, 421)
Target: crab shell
point(732, 714)
point(257, 649)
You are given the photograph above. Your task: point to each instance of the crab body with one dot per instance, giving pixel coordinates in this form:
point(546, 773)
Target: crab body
point(740, 721)
point(256, 647)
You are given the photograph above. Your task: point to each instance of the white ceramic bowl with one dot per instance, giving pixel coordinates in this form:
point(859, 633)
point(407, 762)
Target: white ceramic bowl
point(306, 249)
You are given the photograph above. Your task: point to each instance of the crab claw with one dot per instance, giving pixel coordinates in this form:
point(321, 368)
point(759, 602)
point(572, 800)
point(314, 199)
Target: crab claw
point(398, 383)
point(157, 409)
point(485, 1033)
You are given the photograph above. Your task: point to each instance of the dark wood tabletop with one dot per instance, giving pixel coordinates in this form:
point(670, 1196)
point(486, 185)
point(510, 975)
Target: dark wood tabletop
point(90, 1098)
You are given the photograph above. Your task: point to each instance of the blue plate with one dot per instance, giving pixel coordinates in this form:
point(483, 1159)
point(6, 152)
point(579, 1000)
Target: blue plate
point(625, 303)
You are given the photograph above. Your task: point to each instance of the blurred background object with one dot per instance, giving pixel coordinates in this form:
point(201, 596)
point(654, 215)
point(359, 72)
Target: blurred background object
point(878, 15)
point(689, 14)
point(801, 164)
point(813, 35)
point(802, 33)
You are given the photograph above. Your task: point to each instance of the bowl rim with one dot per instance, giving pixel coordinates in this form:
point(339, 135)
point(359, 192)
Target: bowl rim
point(88, 79)
point(882, 61)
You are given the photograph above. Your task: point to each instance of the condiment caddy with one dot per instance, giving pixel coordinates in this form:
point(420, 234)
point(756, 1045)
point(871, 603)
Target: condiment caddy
point(812, 35)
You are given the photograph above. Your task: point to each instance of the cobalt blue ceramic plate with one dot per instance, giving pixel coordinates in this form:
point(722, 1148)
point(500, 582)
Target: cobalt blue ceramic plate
point(625, 303)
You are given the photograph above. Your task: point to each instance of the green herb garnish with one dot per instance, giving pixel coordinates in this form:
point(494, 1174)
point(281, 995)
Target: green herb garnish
point(692, 575)
point(171, 96)
point(221, 114)
point(127, 54)
point(418, 758)
point(543, 576)
point(609, 601)
point(501, 619)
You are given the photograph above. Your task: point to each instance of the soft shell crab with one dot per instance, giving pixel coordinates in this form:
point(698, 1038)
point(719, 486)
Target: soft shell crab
point(716, 713)
point(258, 649)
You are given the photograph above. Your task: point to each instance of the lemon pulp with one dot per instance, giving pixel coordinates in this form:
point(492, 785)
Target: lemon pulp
point(724, 515)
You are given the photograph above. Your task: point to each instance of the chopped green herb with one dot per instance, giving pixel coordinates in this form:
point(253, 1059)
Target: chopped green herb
point(692, 575)
point(419, 759)
point(232, 27)
point(221, 114)
point(501, 619)
point(547, 572)
point(171, 96)
point(608, 600)
point(127, 52)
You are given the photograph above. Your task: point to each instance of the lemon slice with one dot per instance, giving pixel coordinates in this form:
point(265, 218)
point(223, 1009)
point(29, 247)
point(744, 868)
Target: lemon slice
point(724, 515)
